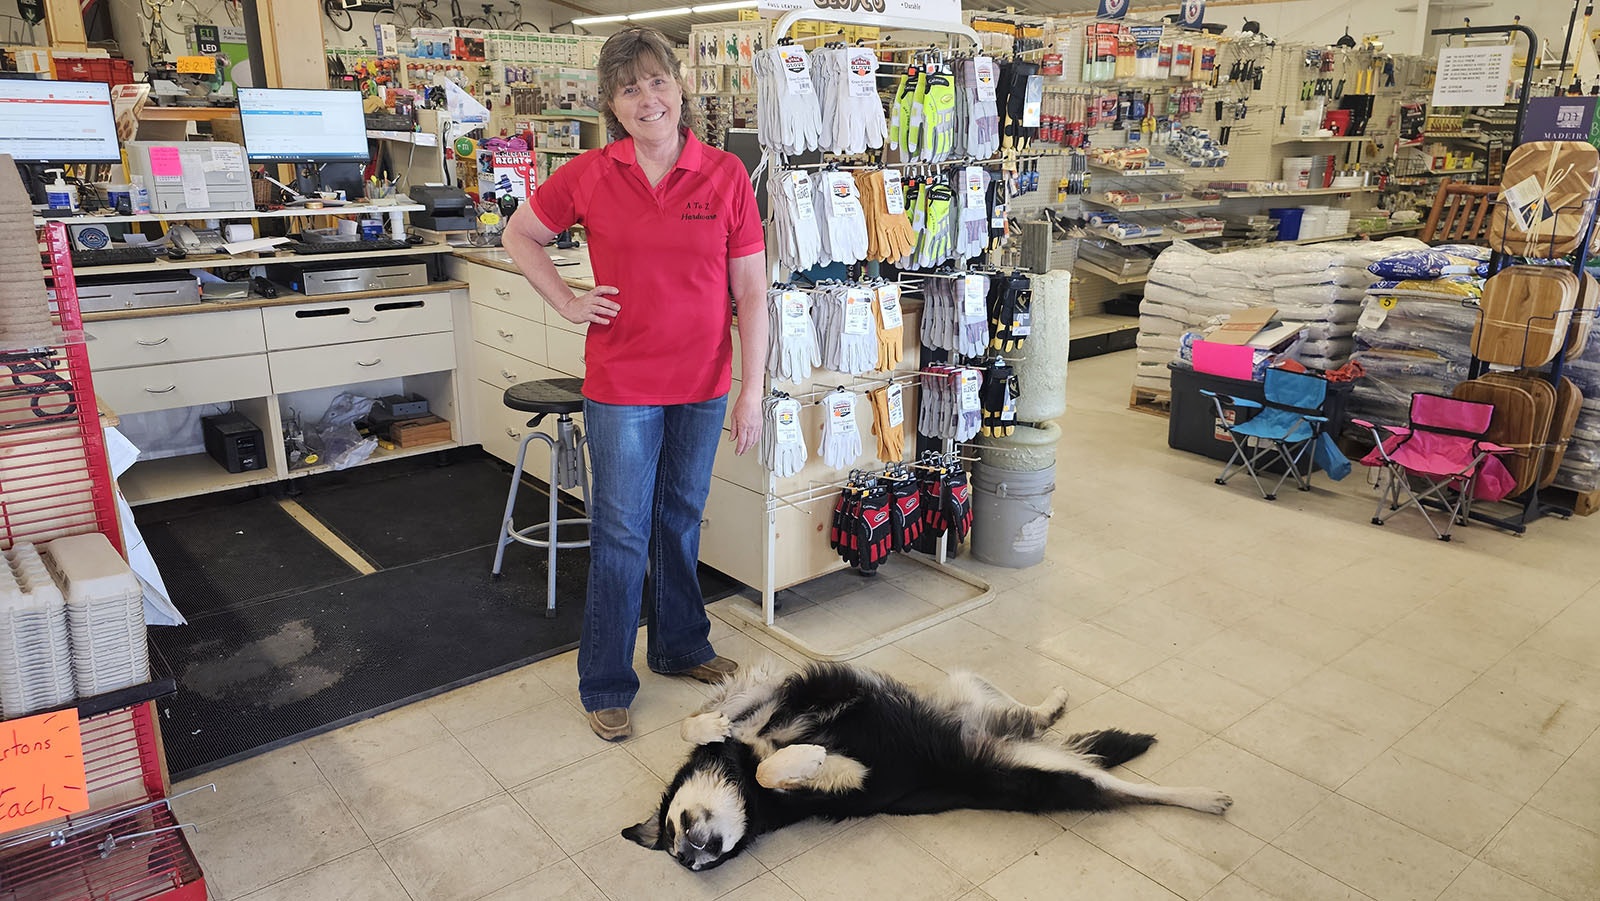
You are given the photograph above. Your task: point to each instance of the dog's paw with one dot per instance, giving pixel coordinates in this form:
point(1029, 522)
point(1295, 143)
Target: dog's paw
point(1213, 802)
point(791, 767)
point(705, 728)
point(1050, 712)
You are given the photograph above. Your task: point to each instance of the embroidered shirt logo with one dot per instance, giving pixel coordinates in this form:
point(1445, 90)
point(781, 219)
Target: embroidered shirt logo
point(698, 210)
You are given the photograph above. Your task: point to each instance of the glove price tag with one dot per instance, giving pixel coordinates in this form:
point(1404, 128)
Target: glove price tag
point(972, 181)
point(857, 312)
point(1030, 114)
point(987, 72)
point(894, 193)
point(795, 319)
point(839, 188)
point(897, 407)
point(786, 421)
point(804, 209)
point(842, 413)
point(863, 73)
point(970, 382)
point(972, 300)
point(1008, 411)
point(796, 68)
point(1022, 326)
point(889, 306)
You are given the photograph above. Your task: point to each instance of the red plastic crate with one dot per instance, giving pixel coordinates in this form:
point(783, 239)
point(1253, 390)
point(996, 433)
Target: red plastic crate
point(110, 71)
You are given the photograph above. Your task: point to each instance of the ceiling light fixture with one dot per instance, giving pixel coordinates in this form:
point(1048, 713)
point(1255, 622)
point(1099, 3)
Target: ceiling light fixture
point(724, 7)
point(660, 13)
point(599, 20)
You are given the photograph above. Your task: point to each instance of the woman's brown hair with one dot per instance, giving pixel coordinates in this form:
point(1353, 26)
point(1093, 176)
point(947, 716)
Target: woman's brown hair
point(630, 54)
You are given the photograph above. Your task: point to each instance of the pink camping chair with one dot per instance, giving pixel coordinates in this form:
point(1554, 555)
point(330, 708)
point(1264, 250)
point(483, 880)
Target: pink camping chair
point(1443, 448)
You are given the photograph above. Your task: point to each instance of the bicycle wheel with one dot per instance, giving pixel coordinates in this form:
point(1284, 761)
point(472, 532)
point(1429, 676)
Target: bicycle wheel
point(525, 25)
point(338, 15)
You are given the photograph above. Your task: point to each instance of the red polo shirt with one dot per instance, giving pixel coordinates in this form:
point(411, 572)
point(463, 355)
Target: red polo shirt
point(666, 251)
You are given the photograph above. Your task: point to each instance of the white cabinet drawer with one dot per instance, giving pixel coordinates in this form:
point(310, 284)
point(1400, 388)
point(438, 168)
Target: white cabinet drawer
point(513, 334)
point(500, 430)
point(141, 389)
point(566, 351)
point(363, 361)
point(505, 291)
point(173, 339)
point(503, 370)
point(335, 322)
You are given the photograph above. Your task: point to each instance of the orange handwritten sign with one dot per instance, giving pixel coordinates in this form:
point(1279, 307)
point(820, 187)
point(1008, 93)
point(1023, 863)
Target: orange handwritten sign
point(41, 769)
point(197, 65)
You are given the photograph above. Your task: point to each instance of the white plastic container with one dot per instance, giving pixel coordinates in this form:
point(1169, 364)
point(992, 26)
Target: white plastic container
point(1297, 172)
point(105, 613)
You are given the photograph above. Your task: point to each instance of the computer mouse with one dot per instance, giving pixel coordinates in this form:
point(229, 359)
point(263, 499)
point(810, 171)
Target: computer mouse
point(264, 287)
point(175, 252)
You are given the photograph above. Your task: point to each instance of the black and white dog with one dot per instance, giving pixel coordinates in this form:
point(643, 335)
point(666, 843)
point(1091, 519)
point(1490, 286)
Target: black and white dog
point(834, 741)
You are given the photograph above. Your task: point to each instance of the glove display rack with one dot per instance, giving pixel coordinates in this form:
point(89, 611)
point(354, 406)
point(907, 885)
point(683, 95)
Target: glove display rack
point(56, 481)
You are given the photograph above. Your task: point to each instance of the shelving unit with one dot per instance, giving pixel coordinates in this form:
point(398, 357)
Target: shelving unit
point(1191, 204)
point(402, 205)
point(1092, 269)
point(229, 262)
point(1330, 139)
point(1137, 173)
point(1309, 192)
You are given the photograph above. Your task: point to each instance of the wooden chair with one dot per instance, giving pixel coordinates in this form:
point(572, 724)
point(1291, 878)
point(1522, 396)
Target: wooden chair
point(1460, 213)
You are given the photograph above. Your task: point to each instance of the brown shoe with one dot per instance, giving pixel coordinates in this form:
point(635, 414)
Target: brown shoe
point(611, 724)
point(712, 671)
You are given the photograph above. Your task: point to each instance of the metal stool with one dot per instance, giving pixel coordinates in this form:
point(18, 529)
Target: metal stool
point(562, 397)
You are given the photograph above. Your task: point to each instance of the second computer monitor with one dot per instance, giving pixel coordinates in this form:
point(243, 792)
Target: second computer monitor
point(293, 125)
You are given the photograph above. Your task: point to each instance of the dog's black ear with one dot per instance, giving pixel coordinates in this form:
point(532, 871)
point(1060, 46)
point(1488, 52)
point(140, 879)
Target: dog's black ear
point(646, 834)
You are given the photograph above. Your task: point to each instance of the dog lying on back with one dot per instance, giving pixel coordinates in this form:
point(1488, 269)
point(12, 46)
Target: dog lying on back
point(834, 741)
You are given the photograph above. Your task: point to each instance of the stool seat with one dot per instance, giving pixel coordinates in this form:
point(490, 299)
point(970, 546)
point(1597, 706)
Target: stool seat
point(546, 396)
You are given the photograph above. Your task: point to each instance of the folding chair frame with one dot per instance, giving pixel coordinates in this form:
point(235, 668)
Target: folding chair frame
point(1250, 462)
point(1460, 484)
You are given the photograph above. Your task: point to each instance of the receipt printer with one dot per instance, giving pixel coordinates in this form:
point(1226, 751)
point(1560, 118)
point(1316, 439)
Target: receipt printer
point(445, 209)
point(192, 176)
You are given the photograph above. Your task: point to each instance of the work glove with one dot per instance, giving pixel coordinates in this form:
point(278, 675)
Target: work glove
point(891, 326)
point(888, 419)
point(841, 438)
point(783, 447)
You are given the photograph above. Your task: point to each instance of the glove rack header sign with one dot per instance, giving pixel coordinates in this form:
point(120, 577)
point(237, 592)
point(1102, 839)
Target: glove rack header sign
point(869, 10)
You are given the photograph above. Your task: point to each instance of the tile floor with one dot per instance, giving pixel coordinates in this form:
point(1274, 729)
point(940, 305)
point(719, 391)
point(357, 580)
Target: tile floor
point(1397, 718)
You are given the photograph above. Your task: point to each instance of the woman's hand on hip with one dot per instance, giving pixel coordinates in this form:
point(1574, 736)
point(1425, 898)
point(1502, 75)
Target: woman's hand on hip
point(592, 305)
point(746, 421)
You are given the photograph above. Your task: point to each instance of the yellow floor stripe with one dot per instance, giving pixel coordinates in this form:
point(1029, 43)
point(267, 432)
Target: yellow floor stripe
point(325, 535)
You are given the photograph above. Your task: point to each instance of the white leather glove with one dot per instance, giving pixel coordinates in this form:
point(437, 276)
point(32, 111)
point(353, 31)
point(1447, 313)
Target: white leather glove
point(783, 445)
point(841, 433)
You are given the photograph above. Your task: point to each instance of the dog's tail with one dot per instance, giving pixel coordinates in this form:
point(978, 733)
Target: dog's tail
point(1111, 746)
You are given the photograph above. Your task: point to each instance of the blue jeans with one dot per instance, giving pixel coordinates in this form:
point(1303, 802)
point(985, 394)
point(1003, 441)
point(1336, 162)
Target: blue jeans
point(652, 469)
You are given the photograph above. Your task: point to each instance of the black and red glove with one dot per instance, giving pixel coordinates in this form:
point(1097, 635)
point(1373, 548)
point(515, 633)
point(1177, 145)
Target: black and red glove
point(876, 529)
point(905, 512)
point(957, 502)
point(931, 487)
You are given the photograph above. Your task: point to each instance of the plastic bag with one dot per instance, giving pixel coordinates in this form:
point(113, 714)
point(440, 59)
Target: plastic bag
point(335, 437)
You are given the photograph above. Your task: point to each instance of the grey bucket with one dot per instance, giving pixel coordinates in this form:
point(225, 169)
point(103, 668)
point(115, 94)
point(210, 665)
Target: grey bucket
point(1011, 514)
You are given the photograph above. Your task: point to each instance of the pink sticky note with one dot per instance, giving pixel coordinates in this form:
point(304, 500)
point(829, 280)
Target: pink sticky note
point(164, 162)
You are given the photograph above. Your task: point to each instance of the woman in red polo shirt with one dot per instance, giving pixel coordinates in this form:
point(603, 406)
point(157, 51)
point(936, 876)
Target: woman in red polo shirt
point(673, 231)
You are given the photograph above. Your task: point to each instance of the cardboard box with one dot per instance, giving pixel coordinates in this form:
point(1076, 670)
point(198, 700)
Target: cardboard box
point(420, 431)
point(1243, 325)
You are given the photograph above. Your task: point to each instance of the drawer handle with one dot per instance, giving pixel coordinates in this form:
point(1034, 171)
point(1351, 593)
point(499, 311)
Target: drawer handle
point(161, 390)
point(364, 321)
point(513, 435)
point(502, 292)
point(156, 343)
point(508, 375)
point(373, 362)
point(505, 334)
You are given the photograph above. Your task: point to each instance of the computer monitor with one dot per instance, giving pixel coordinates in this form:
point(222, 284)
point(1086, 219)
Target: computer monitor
point(745, 144)
point(58, 122)
point(293, 125)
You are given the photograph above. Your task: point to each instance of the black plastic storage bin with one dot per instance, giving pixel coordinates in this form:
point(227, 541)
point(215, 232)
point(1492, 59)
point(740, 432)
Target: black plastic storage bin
point(1194, 427)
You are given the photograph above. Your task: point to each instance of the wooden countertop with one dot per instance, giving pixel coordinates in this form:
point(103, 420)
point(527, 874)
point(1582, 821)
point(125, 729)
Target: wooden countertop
point(580, 275)
point(285, 298)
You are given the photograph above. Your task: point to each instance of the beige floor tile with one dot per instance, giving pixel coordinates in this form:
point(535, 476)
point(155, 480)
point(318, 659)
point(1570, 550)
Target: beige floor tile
point(1435, 633)
point(247, 784)
point(1356, 704)
point(1287, 877)
point(1136, 572)
point(591, 800)
point(1070, 591)
point(1100, 653)
point(390, 797)
point(765, 887)
point(254, 847)
point(873, 860)
point(663, 751)
point(977, 894)
point(1022, 617)
point(375, 740)
point(930, 585)
point(1573, 793)
point(1551, 853)
point(361, 876)
point(495, 697)
point(824, 630)
point(1114, 710)
point(561, 674)
point(1512, 765)
point(1267, 799)
point(777, 848)
point(1069, 868)
point(1558, 725)
point(977, 843)
point(561, 881)
point(470, 852)
point(1439, 804)
point(622, 869)
point(900, 664)
point(1266, 668)
point(536, 741)
point(1351, 598)
point(1300, 632)
point(664, 701)
point(1219, 603)
point(1193, 694)
point(835, 584)
point(1026, 675)
point(1481, 882)
point(1372, 852)
point(1187, 852)
point(1235, 889)
point(1156, 624)
point(1550, 675)
point(1304, 744)
point(880, 607)
point(1574, 634)
point(1404, 671)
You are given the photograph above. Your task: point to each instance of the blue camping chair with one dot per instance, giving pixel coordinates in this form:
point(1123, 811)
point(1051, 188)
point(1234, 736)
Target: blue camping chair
point(1287, 428)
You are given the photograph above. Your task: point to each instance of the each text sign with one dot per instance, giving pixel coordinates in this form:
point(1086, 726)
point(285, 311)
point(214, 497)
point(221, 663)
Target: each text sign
point(41, 769)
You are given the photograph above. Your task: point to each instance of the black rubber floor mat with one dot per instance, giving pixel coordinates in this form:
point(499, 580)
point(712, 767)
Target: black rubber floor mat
point(222, 557)
point(259, 677)
point(421, 513)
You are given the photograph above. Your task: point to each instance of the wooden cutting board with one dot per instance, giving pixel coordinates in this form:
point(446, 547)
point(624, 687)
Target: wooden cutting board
point(1524, 315)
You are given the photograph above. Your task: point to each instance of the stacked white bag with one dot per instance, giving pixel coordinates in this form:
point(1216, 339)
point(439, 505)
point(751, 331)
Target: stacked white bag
point(35, 655)
point(1321, 288)
point(1187, 288)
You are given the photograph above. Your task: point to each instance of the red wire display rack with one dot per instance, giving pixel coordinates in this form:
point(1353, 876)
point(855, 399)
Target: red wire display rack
point(55, 481)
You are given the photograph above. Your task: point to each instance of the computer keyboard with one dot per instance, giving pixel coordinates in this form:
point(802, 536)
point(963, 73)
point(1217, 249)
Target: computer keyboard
point(355, 245)
point(113, 256)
